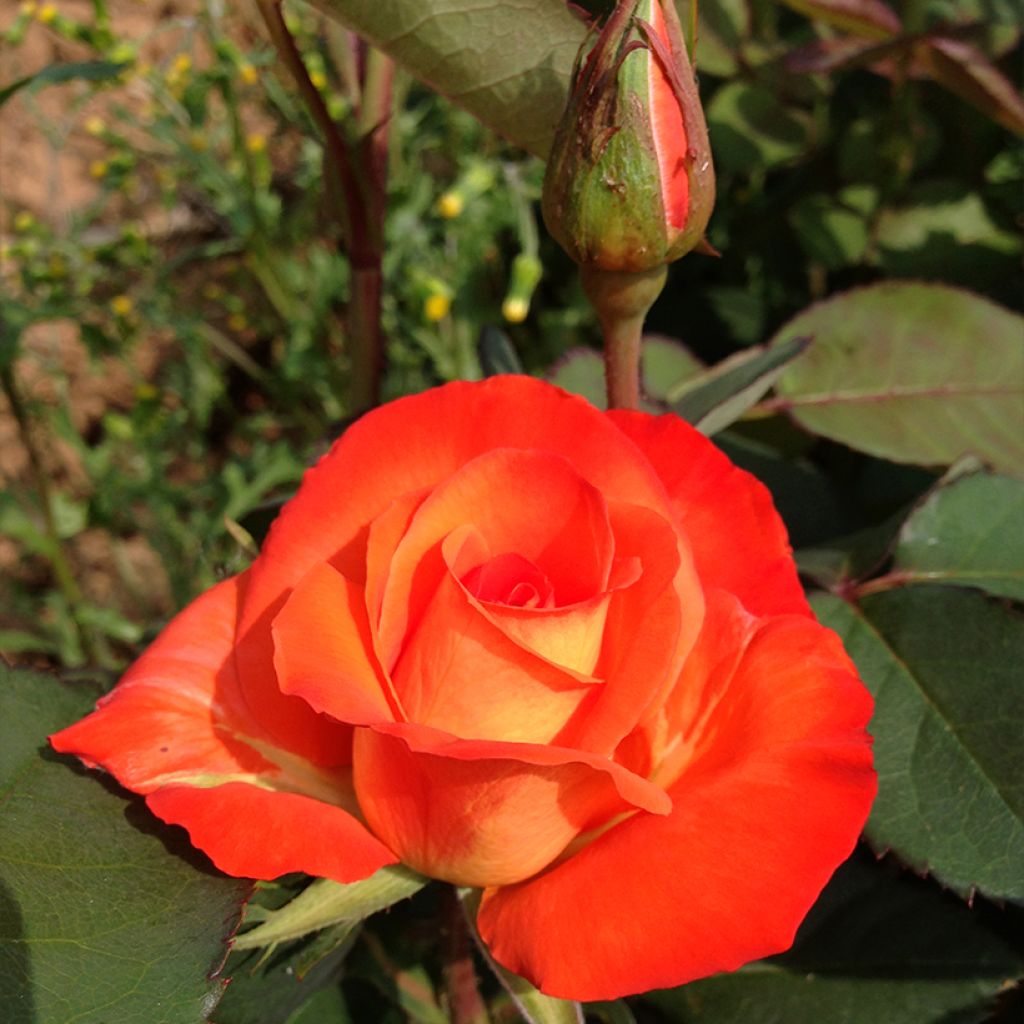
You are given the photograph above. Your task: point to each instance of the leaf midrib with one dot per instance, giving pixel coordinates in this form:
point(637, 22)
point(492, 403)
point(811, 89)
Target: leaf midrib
point(934, 707)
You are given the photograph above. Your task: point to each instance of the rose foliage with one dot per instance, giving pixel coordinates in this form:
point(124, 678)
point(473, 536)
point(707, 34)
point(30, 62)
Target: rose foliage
point(523, 645)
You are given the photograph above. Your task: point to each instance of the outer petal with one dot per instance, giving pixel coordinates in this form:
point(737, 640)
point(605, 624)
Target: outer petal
point(738, 540)
point(255, 833)
point(402, 448)
point(177, 729)
point(779, 788)
point(485, 813)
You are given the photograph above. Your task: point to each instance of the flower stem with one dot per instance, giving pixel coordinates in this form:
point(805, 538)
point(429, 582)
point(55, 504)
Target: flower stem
point(465, 1004)
point(621, 300)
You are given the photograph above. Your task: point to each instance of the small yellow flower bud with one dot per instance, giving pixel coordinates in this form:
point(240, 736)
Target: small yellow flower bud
point(450, 205)
point(436, 307)
point(47, 14)
point(23, 221)
point(238, 322)
point(318, 78)
point(181, 64)
point(98, 169)
point(248, 74)
point(515, 310)
point(121, 305)
point(255, 142)
point(95, 125)
point(28, 8)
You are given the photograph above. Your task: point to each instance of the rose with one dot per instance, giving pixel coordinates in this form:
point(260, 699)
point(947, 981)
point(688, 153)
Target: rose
point(522, 645)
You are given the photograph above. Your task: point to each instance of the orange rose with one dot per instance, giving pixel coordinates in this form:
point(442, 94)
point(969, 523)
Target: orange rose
point(523, 645)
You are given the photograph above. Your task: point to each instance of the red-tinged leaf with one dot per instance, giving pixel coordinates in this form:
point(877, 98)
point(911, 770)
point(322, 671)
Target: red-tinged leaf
point(966, 71)
point(870, 19)
point(824, 56)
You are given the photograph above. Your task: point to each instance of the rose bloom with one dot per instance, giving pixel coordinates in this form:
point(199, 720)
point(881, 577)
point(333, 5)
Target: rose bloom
point(519, 644)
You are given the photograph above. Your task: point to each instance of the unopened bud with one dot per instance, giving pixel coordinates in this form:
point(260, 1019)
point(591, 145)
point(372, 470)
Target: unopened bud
point(629, 183)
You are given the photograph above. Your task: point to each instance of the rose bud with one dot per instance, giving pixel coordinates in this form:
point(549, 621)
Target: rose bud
point(518, 644)
point(630, 184)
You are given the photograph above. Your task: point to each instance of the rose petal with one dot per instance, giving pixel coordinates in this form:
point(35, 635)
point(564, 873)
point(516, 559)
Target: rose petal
point(323, 650)
point(177, 729)
point(651, 627)
point(484, 813)
point(569, 637)
point(738, 540)
point(459, 672)
point(531, 503)
point(178, 713)
point(255, 833)
point(777, 793)
point(403, 448)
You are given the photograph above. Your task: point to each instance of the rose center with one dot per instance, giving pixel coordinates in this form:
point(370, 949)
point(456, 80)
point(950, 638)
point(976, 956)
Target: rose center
point(510, 580)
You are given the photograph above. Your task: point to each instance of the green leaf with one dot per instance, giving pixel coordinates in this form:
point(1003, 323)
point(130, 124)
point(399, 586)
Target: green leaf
point(722, 394)
point(324, 903)
point(944, 667)
point(276, 989)
point(665, 366)
point(107, 916)
point(967, 532)
point(507, 64)
point(897, 370)
point(877, 946)
point(57, 74)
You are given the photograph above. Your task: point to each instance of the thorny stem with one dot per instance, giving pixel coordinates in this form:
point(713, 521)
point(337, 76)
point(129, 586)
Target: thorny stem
point(465, 1004)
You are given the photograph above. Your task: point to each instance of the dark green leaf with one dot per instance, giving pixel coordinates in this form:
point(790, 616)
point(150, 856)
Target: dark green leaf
point(969, 532)
point(108, 917)
point(722, 394)
point(273, 989)
point(850, 557)
point(665, 366)
point(56, 74)
point(897, 370)
point(944, 667)
point(876, 947)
